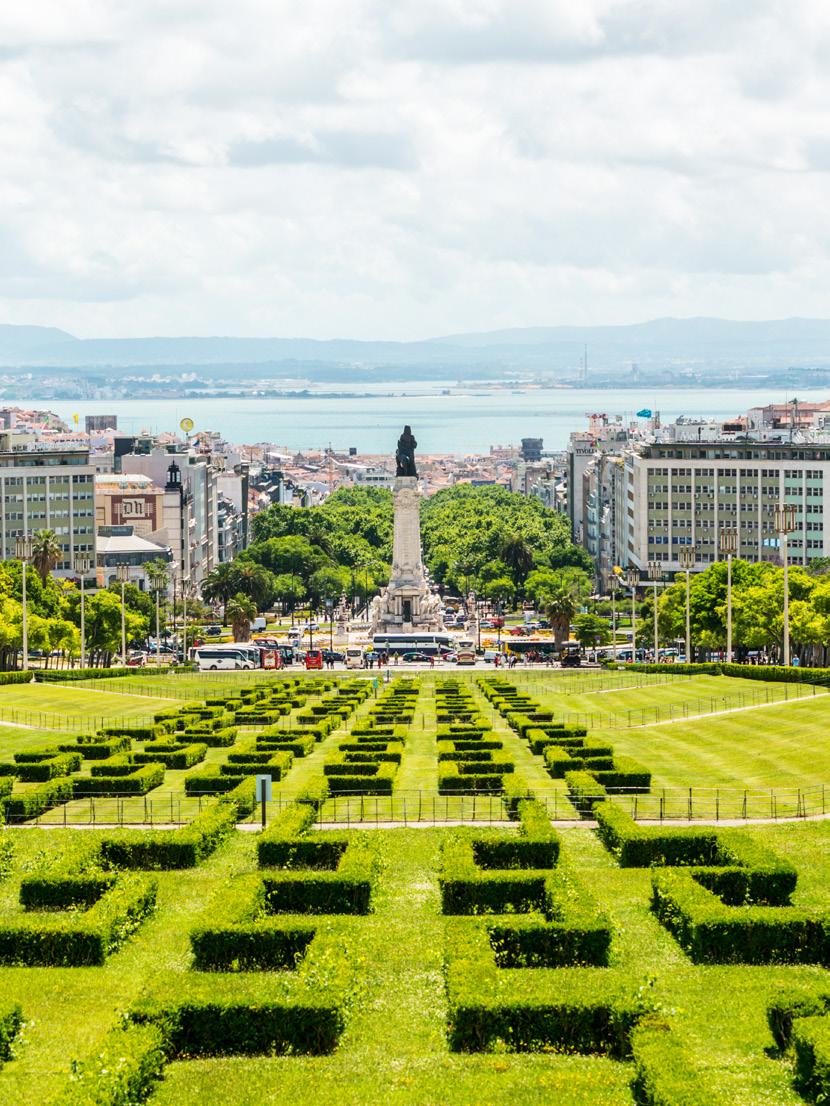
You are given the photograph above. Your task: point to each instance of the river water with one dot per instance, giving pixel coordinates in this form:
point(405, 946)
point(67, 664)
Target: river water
point(469, 419)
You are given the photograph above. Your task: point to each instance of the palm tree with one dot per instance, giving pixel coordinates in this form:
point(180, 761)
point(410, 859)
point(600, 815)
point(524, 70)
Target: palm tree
point(560, 605)
point(46, 552)
point(255, 581)
point(242, 611)
point(518, 556)
point(220, 586)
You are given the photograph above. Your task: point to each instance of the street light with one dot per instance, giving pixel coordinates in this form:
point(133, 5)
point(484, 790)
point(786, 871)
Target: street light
point(122, 572)
point(728, 542)
point(23, 551)
point(83, 565)
point(330, 605)
point(785, 524)
point(613, 584)
point(686, 560)
point(186, 592)
point(632, 578)
point(655, 571)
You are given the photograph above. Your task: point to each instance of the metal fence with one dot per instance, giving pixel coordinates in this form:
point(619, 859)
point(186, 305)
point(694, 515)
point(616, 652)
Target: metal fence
point(704, 805)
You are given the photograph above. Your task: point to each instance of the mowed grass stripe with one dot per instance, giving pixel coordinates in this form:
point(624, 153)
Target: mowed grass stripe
point(776, 746)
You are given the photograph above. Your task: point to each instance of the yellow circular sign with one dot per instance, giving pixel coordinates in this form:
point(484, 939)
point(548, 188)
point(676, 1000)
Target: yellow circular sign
point(187, 425)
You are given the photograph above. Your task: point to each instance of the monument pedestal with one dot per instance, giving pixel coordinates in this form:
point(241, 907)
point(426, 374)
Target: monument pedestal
point(407, 605)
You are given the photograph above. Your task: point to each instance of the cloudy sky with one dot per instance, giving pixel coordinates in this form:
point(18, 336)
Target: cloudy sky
point(407, 168)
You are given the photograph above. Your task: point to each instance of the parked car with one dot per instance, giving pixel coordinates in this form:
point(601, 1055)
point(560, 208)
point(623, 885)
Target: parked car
point(490, 655)
point(314, 658)
point(333, 655)
point(465, 656)
point(136, 660)
point(415, 658)
point(571, 660)
point(486, 624)
point(213, 631)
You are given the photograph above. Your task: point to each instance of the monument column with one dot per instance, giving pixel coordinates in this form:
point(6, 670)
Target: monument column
point(406, 605)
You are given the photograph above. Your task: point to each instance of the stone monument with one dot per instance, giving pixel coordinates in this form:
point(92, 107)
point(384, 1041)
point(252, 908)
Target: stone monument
point(407, 605)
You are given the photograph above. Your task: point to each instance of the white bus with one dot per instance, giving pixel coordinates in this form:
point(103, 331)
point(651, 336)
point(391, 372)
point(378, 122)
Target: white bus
point(429, 643)
point(236, 655)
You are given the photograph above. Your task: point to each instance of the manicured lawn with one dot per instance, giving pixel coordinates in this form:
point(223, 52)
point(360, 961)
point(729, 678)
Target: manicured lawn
point(777, 746)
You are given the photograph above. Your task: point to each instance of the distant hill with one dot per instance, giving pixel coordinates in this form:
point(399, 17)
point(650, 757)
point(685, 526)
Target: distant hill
point(697, 343)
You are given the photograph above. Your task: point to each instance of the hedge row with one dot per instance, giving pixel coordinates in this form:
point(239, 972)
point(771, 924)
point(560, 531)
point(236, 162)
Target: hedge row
point(712, 932)
point(590, 1011)
point(121, 1070)
point(137, 781)
point(79, 939)
point(20, 806)
point(167, 849)
point(470, 757)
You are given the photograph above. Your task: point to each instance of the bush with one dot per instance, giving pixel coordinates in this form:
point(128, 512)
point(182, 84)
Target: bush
point(121, 1070)
point(137, 782)
point(47, 766)
point(29, 804)
point(97, 748)
point(11, 1019)
point(711, 932)
point(664, 1074)
point(584, 792)
point(171, 756)
point(346, 890)
point(79, 939)
point(167, 849)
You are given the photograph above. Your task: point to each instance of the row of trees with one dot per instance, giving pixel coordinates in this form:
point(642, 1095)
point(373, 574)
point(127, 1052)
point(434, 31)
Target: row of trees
point(482, 539)
point(757, 610)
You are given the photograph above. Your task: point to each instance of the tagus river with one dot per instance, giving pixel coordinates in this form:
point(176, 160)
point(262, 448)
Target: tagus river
point(467, 420)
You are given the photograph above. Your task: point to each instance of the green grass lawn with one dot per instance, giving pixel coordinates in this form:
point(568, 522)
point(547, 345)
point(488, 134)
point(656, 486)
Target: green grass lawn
point(66, 707)
point(394, 1048)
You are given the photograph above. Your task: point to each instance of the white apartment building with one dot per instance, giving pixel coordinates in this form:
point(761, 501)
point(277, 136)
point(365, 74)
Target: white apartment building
point(46, 486)
point(682, 494)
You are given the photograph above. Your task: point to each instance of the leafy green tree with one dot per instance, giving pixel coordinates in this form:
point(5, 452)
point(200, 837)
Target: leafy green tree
point(518, 556)
point(591, 631)
point(289, 591)
point(327, 583)
point(501, 589)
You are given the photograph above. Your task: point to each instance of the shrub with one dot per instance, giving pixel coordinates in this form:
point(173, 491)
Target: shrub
point(584, 792)
point(79, 939)
point(166, 849)
point(171, 756)
point(137, 782)
point(29, 804)
point(120, 1071)
point(664, 1074)
point(11, 1019)
point(711, 932)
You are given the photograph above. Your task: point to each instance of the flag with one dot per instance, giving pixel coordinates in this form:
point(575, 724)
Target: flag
point(644, 414)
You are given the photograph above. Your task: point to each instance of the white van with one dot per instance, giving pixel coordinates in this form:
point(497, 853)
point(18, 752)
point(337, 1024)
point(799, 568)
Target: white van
point(354, 657)
point(258, 623)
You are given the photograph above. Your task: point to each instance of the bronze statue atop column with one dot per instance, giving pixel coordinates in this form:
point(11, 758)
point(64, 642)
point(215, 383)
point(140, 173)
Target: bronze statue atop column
point(405, 454)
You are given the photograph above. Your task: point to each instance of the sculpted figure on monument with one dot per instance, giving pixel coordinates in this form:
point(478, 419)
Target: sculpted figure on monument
point(405, 454)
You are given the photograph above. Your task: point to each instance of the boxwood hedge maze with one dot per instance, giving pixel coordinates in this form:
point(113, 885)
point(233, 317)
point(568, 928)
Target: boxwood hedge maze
point(340, 958)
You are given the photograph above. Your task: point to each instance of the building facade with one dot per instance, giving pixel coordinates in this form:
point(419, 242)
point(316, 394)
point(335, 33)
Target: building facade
point(682, 494)
point(46, 487)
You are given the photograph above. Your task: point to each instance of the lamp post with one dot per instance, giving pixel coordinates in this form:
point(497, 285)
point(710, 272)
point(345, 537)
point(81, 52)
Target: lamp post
point(728, 541)
point(83, 565)
point(330, 606)
point(613, 584)
point(632, 578)
point(655, 571)
point(23, 551)
point(785, 524)
point(499, 621)
point(122, 572)
point(185, 593)
point(687, 563)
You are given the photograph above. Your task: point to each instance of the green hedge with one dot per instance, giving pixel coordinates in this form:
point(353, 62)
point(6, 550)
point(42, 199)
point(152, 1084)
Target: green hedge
point(64, 892)
point(346, 890)
point(16, 677)
point(584, 792)
point(121, 1070)
point(664, 1072)
point(589, 1011)
point(41, 767)
point(138, 782)
point(11, 1019)
point(79, 939)
point(769, 673)
point(712, 932)
point(21, 805)
point(167, 849)
point(97, 747)
point(172, 756)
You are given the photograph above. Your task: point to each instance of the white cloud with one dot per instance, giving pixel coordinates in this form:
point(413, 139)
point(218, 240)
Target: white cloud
point(358, 168)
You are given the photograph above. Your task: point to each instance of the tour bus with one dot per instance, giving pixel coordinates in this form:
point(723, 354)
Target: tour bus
point(235, 655)
point(432, 644)
point(465, 651)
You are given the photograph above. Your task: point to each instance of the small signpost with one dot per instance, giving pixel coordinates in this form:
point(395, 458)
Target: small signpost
point(263, 793)
point(375, 682)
